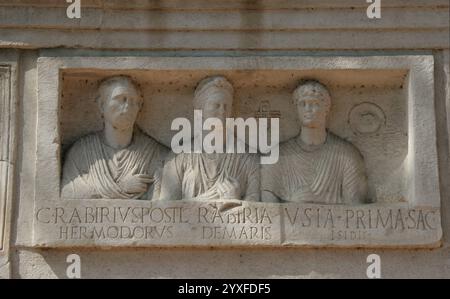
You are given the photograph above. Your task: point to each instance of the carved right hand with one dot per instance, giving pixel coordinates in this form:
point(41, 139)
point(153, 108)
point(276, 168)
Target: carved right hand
point(229, 189)
point(136, 183)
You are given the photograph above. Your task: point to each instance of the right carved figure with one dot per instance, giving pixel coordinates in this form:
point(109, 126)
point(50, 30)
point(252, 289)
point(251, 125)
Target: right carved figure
point(316, 166)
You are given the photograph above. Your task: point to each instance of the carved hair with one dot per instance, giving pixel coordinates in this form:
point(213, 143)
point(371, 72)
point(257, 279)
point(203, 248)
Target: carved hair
point(210, 85)
point(105, 88)
point(312, 88)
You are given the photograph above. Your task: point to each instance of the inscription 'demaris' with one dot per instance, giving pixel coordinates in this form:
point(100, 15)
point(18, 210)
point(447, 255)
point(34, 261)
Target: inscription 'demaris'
point(238, 223)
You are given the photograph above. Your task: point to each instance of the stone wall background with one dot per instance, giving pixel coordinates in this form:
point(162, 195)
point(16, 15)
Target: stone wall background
point(30, 29)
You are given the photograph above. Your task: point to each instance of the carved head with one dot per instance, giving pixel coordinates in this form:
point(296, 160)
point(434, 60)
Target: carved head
point(214, 96)
point(120, 101)
point(313, 102)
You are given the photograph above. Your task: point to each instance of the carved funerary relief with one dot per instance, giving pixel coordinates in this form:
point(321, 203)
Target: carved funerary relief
point(345, 153)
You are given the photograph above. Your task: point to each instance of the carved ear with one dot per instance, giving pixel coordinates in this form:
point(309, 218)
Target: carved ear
point(98, 100)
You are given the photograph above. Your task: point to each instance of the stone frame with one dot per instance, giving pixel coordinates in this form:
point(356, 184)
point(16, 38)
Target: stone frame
point(5, 102)
point(8, 106)
point(422, 182)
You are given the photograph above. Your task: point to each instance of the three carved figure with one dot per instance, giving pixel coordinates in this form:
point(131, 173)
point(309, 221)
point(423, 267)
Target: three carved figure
point(122, 162)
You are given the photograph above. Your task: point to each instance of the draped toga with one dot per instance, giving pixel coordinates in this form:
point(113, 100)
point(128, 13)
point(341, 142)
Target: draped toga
point(333, 173)
point(199, 174)
point(93, 169)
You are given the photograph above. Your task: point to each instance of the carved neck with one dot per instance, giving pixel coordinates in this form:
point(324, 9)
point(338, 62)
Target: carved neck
point(313, 136)
point(117, 138)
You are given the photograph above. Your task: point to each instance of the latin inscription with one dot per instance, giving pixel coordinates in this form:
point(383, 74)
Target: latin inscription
point(149, 223)
point(221, 223)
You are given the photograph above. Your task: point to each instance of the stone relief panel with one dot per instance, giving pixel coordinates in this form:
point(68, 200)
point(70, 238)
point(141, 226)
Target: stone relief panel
point(349, 171)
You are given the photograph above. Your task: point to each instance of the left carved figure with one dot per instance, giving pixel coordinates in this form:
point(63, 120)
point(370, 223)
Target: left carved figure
point(119, 162)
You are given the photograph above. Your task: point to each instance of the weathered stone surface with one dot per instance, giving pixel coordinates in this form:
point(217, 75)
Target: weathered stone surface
point(234, 4)
point(406, 212)
point(8, 87)
point(159, 223)
point(366, 225)
point(344, 18)
point(5, 271)
point(226, 25)
point(232, 223)
point(226, 40)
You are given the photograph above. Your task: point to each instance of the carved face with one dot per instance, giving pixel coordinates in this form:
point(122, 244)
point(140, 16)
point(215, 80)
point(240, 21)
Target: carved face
point(219, 105)
point(312, 112)
point(122, 106)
